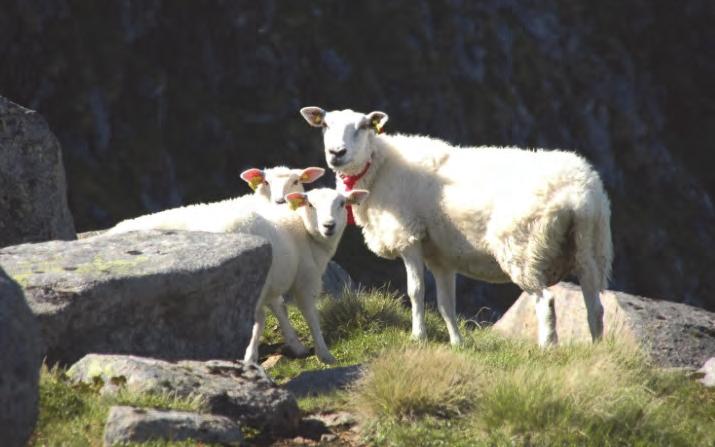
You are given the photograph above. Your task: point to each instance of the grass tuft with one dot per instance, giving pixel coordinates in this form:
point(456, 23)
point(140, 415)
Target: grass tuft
point(409, 383)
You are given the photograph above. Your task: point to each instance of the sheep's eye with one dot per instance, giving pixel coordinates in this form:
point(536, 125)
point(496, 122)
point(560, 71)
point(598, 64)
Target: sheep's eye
point(295, 182)
point(310, 205)
point(363, 126)
point(342, 203)
point(265, 182)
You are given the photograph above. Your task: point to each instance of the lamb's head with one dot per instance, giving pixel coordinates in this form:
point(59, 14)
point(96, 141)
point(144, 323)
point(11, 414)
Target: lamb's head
point(347, 136)
point(275, 183)
point(323, 210)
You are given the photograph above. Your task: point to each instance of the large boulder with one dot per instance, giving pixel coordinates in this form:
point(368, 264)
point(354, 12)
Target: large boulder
point(129, 424)
point(20, 360)
point(241, 391)
point(33, 193)
point(674, 334)
point(166, 294)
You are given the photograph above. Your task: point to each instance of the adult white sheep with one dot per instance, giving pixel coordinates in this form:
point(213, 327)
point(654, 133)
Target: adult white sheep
point(302, 244)
point(490, 213)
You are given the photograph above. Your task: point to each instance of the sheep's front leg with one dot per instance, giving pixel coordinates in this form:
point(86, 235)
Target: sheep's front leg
point(446, 301)
point(306, 304)
point(252, 349)
point(546, 318)
point(414, 266)
point(291, 338)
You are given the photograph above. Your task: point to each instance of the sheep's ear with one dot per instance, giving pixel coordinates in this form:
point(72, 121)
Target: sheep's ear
point(296, 200)
point(356, 196)
point(253, 177)
point(309, 175)
point(314, 115)
point(376, 120)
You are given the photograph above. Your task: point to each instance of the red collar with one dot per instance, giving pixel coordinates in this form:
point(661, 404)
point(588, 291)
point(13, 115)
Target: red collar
point(349, 182)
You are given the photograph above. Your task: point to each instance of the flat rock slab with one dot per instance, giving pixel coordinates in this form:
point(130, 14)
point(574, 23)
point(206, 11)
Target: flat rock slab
point(239, 390)
point(130, 424)
point(322, 381)
point(33, 192)
point(166, 294)
point(20, 360)
point(674, 334)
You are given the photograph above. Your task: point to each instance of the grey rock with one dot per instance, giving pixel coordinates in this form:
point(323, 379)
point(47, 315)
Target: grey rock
point(241, 391)
point(33, 193)
point(331, 420)
point(336, 280)
point(674, 334)
point(129, 424)
point(313, 383)
point(708, 370)
point(20, 361)
point(164, 294)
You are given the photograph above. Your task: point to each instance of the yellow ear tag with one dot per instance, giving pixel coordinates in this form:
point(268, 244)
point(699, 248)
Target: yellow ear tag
point(317, 120)
point(255, 181)
point(295, 202)
point(376, 125)
point(303, 178)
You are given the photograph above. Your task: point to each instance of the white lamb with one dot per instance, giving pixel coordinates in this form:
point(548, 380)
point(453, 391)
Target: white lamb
point(302, 245)
point(275, 183)
point(490, 213)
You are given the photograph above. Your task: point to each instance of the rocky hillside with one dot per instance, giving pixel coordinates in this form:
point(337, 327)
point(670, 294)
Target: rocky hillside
point(160, 103)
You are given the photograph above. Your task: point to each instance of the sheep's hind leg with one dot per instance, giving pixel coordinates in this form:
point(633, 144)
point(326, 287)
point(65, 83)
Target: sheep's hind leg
point(252, 349)
point(291, 338)
point(306, 303)
point(446, 301)
point(546, 318)
point(414, 266)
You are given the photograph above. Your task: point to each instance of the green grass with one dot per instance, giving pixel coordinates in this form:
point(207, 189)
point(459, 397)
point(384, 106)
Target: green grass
point(491, 391)
point(74, 415)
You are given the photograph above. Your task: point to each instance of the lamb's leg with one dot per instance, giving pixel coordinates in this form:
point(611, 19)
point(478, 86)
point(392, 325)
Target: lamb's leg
point(546, 318)
point(306, 304)
point(414, 266)
point(252, 349)
point(446, 301)
point(291, 338)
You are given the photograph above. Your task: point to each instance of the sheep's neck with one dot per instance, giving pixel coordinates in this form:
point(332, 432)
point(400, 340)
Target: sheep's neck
point(349, 182)
point(322, 250)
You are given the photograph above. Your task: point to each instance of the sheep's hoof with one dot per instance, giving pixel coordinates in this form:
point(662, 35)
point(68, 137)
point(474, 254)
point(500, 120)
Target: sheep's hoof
point(327, 358)
point(420, 337)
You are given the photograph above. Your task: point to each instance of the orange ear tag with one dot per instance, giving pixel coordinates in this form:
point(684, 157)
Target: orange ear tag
point(295, 201)
point(254, 181)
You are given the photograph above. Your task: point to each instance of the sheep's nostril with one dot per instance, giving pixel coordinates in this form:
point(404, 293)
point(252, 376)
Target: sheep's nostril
point(338, 152)
point(329, 226)
point(281, 201)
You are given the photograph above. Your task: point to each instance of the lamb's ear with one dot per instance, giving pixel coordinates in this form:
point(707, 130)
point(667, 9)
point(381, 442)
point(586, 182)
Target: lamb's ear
point(309, 175)
point(296, 200)
point(314, 115)
point(356, 196)
point(376, 120)
point(253, 177)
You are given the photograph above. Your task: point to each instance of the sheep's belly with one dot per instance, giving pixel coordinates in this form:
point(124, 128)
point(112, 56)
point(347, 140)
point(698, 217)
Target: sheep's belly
point(467, 261)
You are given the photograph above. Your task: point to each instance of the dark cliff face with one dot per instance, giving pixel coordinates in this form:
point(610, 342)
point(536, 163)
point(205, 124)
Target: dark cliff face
point(162, 103)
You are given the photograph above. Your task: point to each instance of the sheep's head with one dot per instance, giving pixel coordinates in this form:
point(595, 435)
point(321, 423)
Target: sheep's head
point(324, 214)
point(346, 136)
point(275, 183)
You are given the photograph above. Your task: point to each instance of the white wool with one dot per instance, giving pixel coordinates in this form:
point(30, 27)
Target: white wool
point(497, 214)
point(301, 250)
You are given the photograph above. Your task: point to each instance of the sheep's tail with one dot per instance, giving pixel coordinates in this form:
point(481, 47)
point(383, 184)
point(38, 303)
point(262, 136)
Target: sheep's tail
point(592, 237)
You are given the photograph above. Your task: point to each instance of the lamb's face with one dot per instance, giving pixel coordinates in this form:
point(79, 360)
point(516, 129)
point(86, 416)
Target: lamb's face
point(324, 214)
point(346, 136)
point(275, 183)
